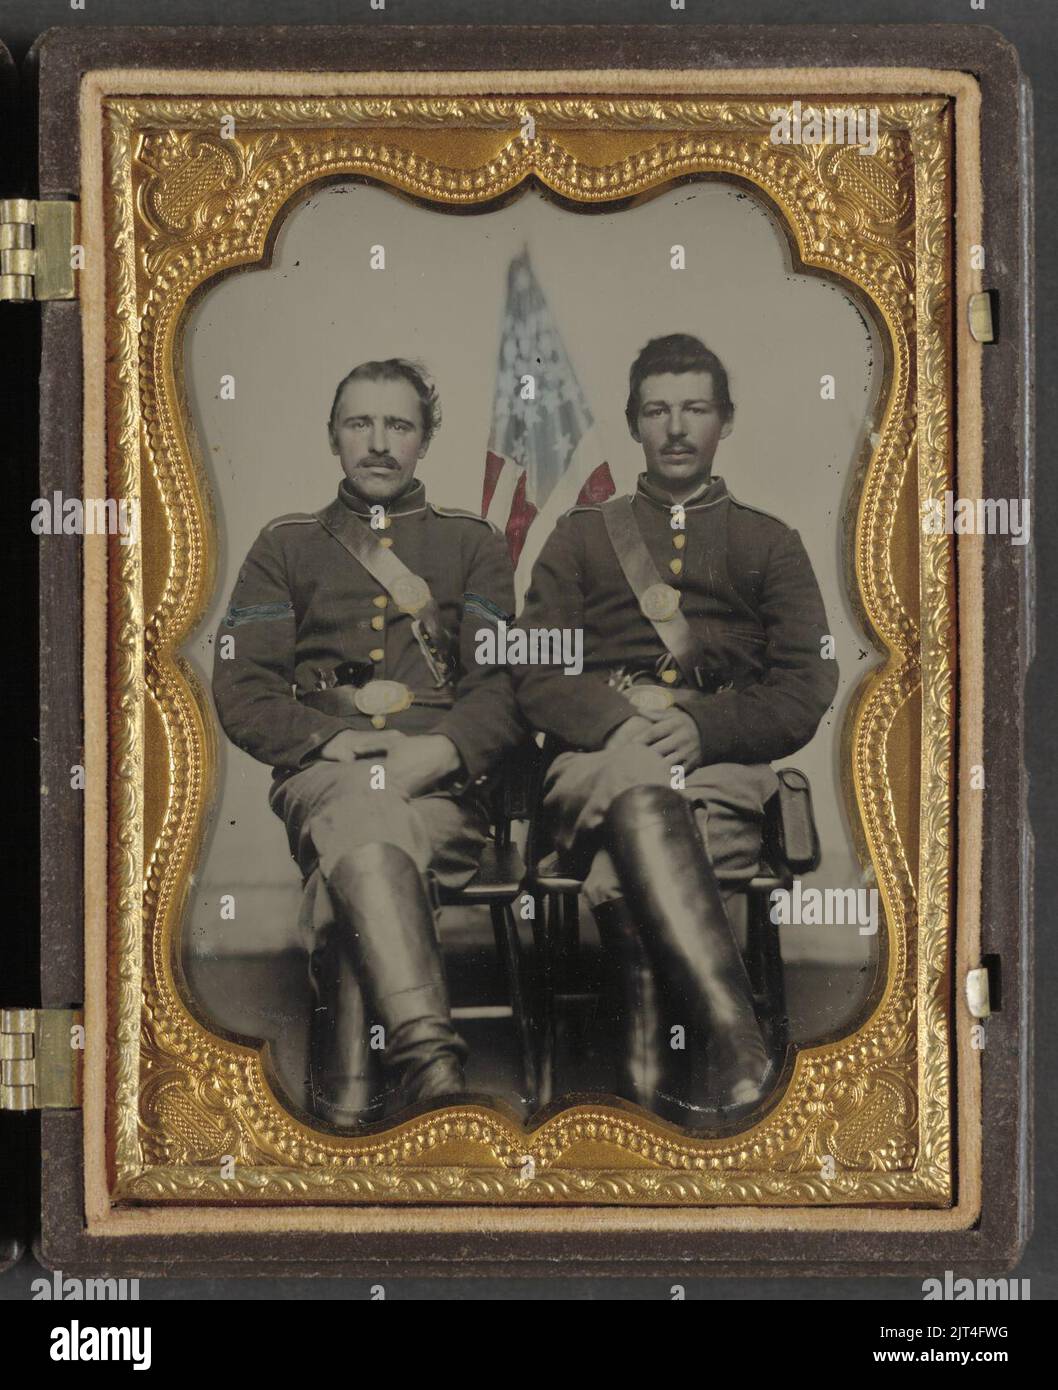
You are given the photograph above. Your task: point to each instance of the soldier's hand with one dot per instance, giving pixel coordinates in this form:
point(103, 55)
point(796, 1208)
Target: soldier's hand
point(633, 730)
point(350, 744)
point(674, 736)
point(420, 762)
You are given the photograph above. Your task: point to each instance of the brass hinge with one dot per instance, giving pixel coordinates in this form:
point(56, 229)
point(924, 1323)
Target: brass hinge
point(40, 1059)
point(36, 249)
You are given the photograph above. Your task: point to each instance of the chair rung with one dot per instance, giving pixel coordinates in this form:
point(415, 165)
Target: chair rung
point(480, 895)
point(483, 1011)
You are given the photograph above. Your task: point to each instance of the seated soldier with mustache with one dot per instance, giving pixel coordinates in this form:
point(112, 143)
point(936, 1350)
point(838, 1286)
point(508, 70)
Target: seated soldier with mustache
point(346, 661)
point(703, 661)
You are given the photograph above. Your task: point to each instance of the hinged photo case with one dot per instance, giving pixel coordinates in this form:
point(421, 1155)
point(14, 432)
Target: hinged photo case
point(535, 600)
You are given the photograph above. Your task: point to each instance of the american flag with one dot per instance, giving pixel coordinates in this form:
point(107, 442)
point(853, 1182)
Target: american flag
point(544, 453)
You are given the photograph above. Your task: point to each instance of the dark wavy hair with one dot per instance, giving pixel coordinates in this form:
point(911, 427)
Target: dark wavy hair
point(677, 352)
point(397, 369)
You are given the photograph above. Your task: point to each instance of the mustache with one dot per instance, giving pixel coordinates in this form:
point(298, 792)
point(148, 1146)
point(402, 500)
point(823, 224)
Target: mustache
point(378, 461)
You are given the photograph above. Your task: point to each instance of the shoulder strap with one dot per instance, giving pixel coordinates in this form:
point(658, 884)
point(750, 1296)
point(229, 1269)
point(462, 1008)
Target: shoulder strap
point(293, 519)
point(465, 515)
point(749, 507)
point(655, 597)
point(409, 591)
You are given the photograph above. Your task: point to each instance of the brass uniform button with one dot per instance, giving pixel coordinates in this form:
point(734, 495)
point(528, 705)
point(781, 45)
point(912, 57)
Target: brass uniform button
point(380, 600)
point(378, 623)
point(676, 566)
point(386, 541)
point(379, 721)
point(679, 542)
point(669, 677)
point(377, 654)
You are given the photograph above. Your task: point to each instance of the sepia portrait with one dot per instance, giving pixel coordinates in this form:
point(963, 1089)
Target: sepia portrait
point(481, 432)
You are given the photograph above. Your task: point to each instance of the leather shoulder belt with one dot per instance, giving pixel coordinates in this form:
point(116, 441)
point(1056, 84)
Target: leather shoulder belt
point(659, 602)
point(409, 591)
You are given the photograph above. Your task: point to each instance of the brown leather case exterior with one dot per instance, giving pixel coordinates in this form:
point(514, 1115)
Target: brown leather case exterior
point(17, 957)
point(997, 1239)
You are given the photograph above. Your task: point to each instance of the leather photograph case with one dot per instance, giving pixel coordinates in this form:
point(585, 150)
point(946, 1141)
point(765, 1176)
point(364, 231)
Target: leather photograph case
point(535, 590)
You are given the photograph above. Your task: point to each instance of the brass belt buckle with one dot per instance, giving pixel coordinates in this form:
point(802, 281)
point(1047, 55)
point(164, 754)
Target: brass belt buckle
point(649, 699)
point(382, 697)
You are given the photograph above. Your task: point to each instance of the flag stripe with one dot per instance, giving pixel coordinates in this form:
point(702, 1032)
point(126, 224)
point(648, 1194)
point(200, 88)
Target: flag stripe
point(544, 451)
point(598, 487)
point(494, 465)
point(523, 513)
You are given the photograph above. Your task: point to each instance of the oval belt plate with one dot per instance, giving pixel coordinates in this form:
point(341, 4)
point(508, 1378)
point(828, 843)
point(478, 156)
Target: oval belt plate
point(660, 602)
point(649, 699)
point(410, 593)
point(382, 697)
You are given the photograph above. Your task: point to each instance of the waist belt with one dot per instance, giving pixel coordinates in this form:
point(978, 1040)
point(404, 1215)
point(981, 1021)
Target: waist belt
point(651, 699)
point(374, 699)
point(644, 683)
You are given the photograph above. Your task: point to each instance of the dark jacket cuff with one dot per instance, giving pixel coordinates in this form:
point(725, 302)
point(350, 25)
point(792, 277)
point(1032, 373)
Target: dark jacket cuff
point(473, 751)
point(718, 730)
point(610, 716)
point(586, 715)
point(307, 750)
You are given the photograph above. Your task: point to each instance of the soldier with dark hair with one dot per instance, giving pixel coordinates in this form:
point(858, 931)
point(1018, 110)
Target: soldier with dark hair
point(347, 662)
point(703, 660)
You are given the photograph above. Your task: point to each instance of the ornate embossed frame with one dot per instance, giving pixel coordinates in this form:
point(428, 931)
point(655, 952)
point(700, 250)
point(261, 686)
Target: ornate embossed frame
point(179, 206)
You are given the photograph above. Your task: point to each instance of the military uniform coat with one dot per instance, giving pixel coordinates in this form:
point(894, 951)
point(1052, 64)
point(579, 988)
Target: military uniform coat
point(302, 604)
point(747, 590)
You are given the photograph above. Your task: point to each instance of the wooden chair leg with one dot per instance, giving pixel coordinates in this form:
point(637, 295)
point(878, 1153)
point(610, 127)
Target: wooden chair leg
point(754, 942)
point(773, 976)
point(578, 1024)
point(509, 946)
point(544, 996)
point(570, 926)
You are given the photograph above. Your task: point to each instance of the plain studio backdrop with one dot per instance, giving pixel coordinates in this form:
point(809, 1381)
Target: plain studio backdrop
point(288, 333)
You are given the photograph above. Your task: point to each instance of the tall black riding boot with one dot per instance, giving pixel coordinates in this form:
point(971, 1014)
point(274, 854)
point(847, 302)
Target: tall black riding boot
point(646, 1066)
point(669, 882)
point(379, 895)
point(343, 1073)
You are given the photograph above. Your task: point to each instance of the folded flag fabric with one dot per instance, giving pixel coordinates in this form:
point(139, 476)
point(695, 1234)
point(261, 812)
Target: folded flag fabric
point(544, 454)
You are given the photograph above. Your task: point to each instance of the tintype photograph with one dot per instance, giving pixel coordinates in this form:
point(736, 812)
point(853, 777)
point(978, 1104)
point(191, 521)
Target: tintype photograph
point(527, 712)
point(536, 587)
point(536, 621)
point(531, 648)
